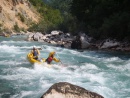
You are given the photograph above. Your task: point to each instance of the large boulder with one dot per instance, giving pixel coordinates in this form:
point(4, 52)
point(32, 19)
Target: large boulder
point(54, 33)
point(37, 36)
point(30, 36)
point(67, 90)
point(109, 44)
point(85, 43)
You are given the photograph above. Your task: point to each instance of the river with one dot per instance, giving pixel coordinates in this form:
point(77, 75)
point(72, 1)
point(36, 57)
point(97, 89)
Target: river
point(106, 73)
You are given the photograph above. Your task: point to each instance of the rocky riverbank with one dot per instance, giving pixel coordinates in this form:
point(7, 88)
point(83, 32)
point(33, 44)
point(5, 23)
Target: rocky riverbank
point(82, 41)
point(66, 40)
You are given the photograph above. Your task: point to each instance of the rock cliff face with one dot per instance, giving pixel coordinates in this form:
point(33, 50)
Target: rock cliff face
point(67, 90)
point(17, 12)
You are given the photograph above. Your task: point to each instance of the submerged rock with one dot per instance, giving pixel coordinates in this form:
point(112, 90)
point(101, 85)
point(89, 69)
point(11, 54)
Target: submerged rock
point(67, 90)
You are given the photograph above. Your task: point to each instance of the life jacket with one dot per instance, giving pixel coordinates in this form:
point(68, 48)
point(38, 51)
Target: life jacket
point(49, 60)
point(35, 53)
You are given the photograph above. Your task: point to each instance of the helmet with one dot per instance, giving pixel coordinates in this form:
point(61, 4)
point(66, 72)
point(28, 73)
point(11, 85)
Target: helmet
point(52, 53)
point(34, 47)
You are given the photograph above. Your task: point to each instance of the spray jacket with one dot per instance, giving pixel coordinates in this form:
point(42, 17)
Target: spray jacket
point(51, 58)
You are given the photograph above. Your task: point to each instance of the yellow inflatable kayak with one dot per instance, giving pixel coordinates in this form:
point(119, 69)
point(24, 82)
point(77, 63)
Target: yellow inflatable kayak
point(32, 60)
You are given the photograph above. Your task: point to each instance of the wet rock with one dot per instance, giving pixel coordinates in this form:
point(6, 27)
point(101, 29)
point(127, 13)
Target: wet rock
point(67, 90)
point(76, 43)
point(109, 44)
point(54, 33)
point(85, 43)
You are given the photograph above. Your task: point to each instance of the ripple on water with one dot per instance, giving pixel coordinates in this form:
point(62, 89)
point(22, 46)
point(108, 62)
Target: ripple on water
point(105, 74)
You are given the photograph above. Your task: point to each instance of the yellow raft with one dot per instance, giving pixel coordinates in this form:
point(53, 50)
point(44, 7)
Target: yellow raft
point(32, 60)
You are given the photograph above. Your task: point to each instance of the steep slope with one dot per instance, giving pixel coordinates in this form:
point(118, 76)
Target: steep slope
point(17, 12)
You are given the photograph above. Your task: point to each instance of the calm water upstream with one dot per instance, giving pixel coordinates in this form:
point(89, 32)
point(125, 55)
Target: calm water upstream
point(103, 72)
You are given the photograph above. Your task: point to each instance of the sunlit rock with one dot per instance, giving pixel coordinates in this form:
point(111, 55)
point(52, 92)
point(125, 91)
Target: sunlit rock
point(22, 32)
point(67, 90)
point(28, 33)
point(109, 44)
point(37, 36)
point(85, 43)
point(54, 33)
point(53, 42)
point(31, 35)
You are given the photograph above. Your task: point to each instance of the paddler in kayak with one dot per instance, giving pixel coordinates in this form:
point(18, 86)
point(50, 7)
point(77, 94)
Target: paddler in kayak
point(51, 58)
point(35, 53)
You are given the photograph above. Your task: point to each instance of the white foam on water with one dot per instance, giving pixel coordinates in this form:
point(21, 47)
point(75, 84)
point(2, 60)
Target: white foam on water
point(89, 66)
point(10, 63)
point(3, 55)
point(44, 84)
point(15, 96)
point(87, 75)
point(112, 59)
point(25, 70)
point(121, 68)
point(9, 49)
point(105, 91)
point(49, 49)
point(18, 77)
point(95, 78)
point(74, 52)
point(5, 93)
point(41, 68)
point(13, 42)
point(26, 93)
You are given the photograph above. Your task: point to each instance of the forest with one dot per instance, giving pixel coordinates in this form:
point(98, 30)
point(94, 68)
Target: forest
point(100, 19)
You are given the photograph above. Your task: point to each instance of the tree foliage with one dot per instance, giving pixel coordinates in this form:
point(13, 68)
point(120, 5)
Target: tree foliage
point(69, 22)
point(51, 18)
point(98, 18)
point(103, 18)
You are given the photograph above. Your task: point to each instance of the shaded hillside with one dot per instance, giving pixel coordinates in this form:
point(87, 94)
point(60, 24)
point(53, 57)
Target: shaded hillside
point(103, 18)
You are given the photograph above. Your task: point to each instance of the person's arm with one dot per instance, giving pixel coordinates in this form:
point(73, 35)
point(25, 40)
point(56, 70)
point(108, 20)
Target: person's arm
point(31, 51)
point(38, 52)
point(56, 60)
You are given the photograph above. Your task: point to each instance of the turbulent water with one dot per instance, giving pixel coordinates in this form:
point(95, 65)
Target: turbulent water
point(102, 72)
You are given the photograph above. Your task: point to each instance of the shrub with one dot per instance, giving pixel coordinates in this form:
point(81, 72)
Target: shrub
point(21, 17)
point(16, 27)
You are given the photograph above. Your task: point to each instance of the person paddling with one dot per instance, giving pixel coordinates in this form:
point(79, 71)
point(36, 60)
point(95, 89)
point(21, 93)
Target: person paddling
point(51, 58)
point(35, 53)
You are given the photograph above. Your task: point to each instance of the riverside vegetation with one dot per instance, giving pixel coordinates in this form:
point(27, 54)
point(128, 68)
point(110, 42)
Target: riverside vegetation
point(100, 19)
point(103, 20)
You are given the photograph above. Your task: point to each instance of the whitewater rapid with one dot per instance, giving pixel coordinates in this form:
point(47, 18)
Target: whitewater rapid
point(106, 73)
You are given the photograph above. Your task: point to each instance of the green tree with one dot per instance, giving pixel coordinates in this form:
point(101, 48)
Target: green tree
point(103, 18)
point(51, 18)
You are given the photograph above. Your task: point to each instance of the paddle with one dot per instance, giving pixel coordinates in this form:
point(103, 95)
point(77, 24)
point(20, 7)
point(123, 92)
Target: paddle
point(37, 48)
point(60, 60)
point(61, 63)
